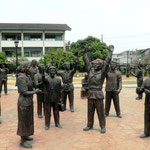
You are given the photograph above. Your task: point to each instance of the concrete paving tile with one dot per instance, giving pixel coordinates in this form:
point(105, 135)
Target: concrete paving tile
point(122, 134)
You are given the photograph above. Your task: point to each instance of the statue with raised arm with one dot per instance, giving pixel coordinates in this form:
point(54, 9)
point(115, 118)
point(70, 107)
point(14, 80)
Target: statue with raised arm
point(25, 105)
point(3, 78)
point(113, 88)
point(146, 88)
point(96, 76)
point(52, 97)
point(68, 88)
point(139, 76)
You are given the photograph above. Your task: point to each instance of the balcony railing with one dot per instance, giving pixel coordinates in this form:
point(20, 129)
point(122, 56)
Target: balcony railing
point(33, 43)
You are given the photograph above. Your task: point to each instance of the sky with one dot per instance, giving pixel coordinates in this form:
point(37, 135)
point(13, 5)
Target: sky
point(123, 23)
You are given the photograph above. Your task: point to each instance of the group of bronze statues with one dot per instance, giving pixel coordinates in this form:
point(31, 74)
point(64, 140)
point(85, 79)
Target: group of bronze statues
point(97, 72)
point(51, 94)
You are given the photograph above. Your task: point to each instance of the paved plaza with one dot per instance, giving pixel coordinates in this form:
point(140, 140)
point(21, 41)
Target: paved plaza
point(122, 134)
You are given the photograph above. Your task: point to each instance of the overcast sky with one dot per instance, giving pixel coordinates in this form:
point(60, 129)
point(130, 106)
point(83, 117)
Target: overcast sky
point(123, 23)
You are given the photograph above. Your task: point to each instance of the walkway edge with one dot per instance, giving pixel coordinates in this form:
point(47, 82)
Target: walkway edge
point(79, 86)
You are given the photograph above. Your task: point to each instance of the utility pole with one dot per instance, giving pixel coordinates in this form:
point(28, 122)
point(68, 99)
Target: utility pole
point(127, 66)
point(101, 37)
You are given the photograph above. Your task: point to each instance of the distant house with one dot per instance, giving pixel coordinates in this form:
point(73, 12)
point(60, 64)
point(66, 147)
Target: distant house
point(34, 39)
point(124, 57)
point(144, 55)
point(132, 57)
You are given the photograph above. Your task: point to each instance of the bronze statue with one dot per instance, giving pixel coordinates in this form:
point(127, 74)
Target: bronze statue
point(68, 88)
point(148, 69)
point(96, 76)
point(3, 78)
point(33, 69)
point(113, 88)
point(25, 105)
point(146, 88)
point(128, 69)
point(39, 84)
point(139, 76)
point(52, 97)
point(84, 88)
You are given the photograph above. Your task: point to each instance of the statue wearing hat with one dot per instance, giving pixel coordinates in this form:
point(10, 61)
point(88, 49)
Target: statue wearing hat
point(113, 88)
point(3, 78)
point(96, 75)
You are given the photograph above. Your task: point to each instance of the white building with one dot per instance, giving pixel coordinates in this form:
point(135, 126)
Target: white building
point(34, 39)
point(126, 57)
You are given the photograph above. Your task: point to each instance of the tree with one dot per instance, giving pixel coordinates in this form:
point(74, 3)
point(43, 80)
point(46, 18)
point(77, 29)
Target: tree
point(58, 56)
point(3, 58)
point(95, 48)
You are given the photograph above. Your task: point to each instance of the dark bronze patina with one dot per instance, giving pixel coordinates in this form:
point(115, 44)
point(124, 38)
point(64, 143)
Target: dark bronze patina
point(113, 88)
point(146, 88)
point(139, 76)
point(96, 76)
point(84, 88)
point(68, 88)
point(33, 70)
point(3, 78)
point(25, 105)
point(52, 97)
point(39, 84)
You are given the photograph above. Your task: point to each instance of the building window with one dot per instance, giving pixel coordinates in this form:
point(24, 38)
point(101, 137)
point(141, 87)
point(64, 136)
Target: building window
point(58, 37)
point(33, 52)
point(11, 36)
point(11, 52)
point(53, 37)
point(33, 36)
point(27, 54)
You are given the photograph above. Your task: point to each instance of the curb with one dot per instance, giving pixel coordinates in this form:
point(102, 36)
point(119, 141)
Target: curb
point(79, 86)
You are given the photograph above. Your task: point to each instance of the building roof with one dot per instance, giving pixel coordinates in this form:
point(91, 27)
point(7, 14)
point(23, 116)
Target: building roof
point(34, 26)
point(143, 50)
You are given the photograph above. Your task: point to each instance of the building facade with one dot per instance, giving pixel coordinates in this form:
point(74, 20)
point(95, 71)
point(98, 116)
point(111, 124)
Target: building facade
point(34, 39)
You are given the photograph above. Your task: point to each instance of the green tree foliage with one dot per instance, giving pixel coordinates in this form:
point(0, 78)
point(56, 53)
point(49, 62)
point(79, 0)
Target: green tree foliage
point(58, 56)
point(95, 48)
point(3, 58)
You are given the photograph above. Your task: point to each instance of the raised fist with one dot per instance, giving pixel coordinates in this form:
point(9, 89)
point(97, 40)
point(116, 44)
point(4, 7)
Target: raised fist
point(111, 48)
